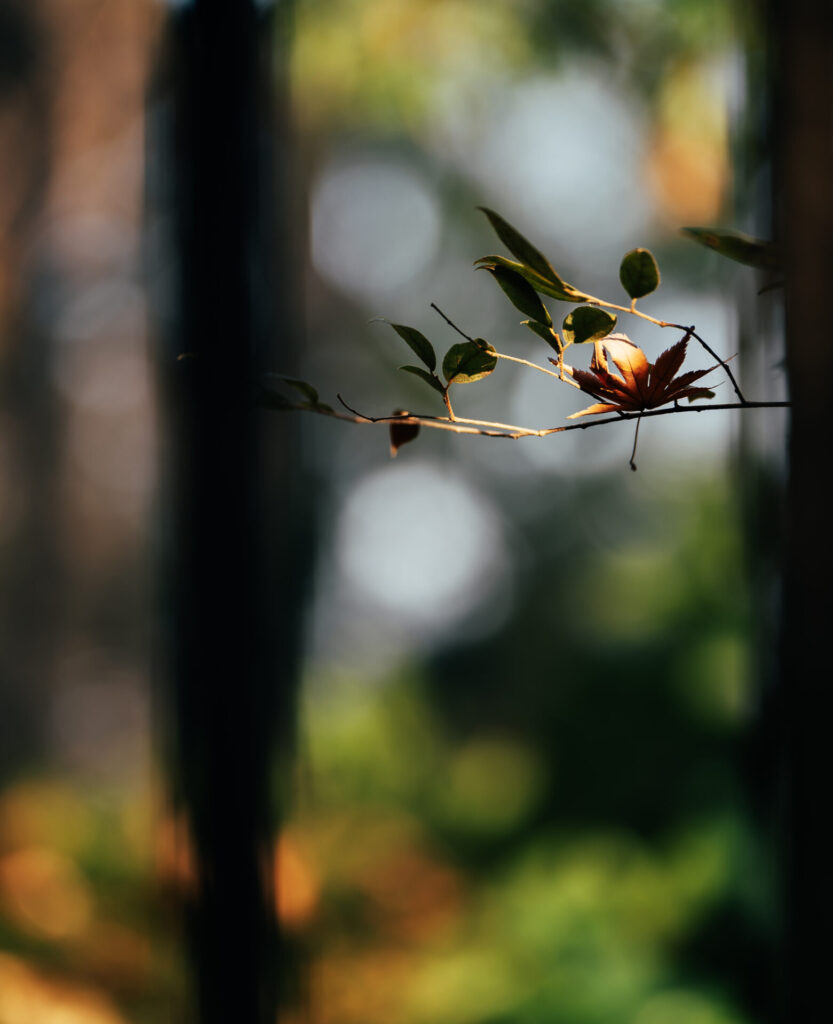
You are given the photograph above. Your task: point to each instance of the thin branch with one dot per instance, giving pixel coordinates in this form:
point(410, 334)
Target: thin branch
point(450, 322)
point(535, 366)
point(500, 355)
point(458, 426)
point(427, 419)
point(593, 301)
point(488, 428)
point(722, 362)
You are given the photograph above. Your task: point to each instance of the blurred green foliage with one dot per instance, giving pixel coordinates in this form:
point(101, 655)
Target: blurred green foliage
point(563, 841)
point(386, 62)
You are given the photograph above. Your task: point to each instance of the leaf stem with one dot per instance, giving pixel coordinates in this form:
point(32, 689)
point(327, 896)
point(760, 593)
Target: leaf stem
point(535, 366)
point(631, 463)
point(450, 322)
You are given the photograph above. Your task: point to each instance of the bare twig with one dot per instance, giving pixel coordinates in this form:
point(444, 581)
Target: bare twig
point(541, 369)
point(488, 428)
point(450, 322)
point(723, 363)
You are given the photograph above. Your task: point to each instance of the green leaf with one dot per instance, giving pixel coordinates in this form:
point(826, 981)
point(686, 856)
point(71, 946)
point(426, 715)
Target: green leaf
point(429, 378)
point(518, 245)
point(531, 259)
point(554, 287)
point(419, 344)
point(692, 394)
point(468, 362)
point(587, 323)
point(520, 293)
point(639, 273)
point(273, 400)
point(735, 245)
point(543, 332)
point(301, 386)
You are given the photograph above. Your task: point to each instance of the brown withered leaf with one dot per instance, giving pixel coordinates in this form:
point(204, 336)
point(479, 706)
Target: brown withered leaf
point(401, 433)
point(643, 385)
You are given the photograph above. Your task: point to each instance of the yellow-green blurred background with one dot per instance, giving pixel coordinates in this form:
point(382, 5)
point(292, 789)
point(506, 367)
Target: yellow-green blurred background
point(521, 792)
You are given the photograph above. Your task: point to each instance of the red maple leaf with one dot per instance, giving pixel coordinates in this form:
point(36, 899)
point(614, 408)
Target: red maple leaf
point(643, 385)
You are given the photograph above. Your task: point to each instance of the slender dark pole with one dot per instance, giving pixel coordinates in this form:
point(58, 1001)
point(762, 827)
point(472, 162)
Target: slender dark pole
point(31, 616)
point(228, 621)
point(803, 39)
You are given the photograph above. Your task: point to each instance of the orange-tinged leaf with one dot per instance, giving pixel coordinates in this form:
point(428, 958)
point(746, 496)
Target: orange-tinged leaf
point(643, 385)
point(592, 410)
point(667, 366)
point(679, 388)
point(631, 361)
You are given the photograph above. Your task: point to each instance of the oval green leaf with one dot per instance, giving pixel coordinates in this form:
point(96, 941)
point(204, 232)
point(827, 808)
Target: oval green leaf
point(517, 244)
point(520, 293)
point(418, 343)
point(301, 386)
point(639, 273)
point(429, 378)
point(553, 286)
point(735, 245)
point(542, 331)
point(587, 323)
point(468, 362)
point(534, 265)
point(274, 400)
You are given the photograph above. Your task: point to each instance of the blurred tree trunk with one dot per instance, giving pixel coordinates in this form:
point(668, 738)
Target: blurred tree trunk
point(803, 134)
point(233, 561)
point(33, 581)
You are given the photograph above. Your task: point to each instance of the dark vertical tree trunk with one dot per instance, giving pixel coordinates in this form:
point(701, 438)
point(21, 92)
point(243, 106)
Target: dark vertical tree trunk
point(32, 586)
point(803, 133)
point(231, 616)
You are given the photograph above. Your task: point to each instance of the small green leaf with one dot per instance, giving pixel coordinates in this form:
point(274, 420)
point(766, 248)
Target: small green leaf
point(301, 386)
point(520, 293)
point(533, 262)
point(517, 244)
point(639, 273)
point(754, 252)
point(401, 433)
point(419, 344)
point(429, 378)
point(274, 400)
point(468, 362)
point(587, 323)
point(543, 332)
point(554, 287)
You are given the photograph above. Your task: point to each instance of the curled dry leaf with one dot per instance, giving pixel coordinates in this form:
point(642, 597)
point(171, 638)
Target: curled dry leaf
point(401, 433)
point(643, 385)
